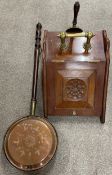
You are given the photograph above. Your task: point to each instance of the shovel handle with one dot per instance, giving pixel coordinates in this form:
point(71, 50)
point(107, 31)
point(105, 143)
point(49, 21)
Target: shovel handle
point(76, 10)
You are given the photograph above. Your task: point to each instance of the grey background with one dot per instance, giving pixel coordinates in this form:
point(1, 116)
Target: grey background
point(85, 145)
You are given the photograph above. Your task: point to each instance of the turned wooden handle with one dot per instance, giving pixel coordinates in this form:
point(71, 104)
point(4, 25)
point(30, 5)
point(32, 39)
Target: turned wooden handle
point(37, 51)
point(38, 35)
point(76, 10)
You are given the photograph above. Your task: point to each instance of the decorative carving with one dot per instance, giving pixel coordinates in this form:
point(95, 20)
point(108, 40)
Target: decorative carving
point(75, 89)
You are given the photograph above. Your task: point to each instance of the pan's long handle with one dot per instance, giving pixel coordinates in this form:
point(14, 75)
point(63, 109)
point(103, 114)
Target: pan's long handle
point(37, 52)
point(76, 10)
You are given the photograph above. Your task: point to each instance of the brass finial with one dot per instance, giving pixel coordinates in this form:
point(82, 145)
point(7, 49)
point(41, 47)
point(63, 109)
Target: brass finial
point(87, 45)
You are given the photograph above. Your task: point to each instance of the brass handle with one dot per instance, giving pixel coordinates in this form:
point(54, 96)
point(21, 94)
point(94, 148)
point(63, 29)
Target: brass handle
point(87, 44)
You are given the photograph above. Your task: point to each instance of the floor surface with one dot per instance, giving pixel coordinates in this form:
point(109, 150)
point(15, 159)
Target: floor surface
point(85, 145)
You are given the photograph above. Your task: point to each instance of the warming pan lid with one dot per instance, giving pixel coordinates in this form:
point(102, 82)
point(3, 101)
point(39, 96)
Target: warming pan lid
point(30, 143)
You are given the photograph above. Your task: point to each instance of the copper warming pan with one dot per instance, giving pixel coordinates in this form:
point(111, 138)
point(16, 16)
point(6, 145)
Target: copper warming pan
point(30, 143)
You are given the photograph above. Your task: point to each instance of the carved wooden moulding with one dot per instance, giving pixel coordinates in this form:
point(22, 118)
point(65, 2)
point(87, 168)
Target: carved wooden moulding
point(75, 89)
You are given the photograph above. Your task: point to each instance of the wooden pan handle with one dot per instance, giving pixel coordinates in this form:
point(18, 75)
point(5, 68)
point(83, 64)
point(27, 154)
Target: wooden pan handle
point(37, 51)
point(38, 35)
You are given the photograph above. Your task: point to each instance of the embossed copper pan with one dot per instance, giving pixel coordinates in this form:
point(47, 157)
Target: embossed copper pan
point(31, 142)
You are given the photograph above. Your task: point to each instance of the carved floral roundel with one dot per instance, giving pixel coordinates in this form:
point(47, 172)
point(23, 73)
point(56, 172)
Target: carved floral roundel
point(75, 88)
